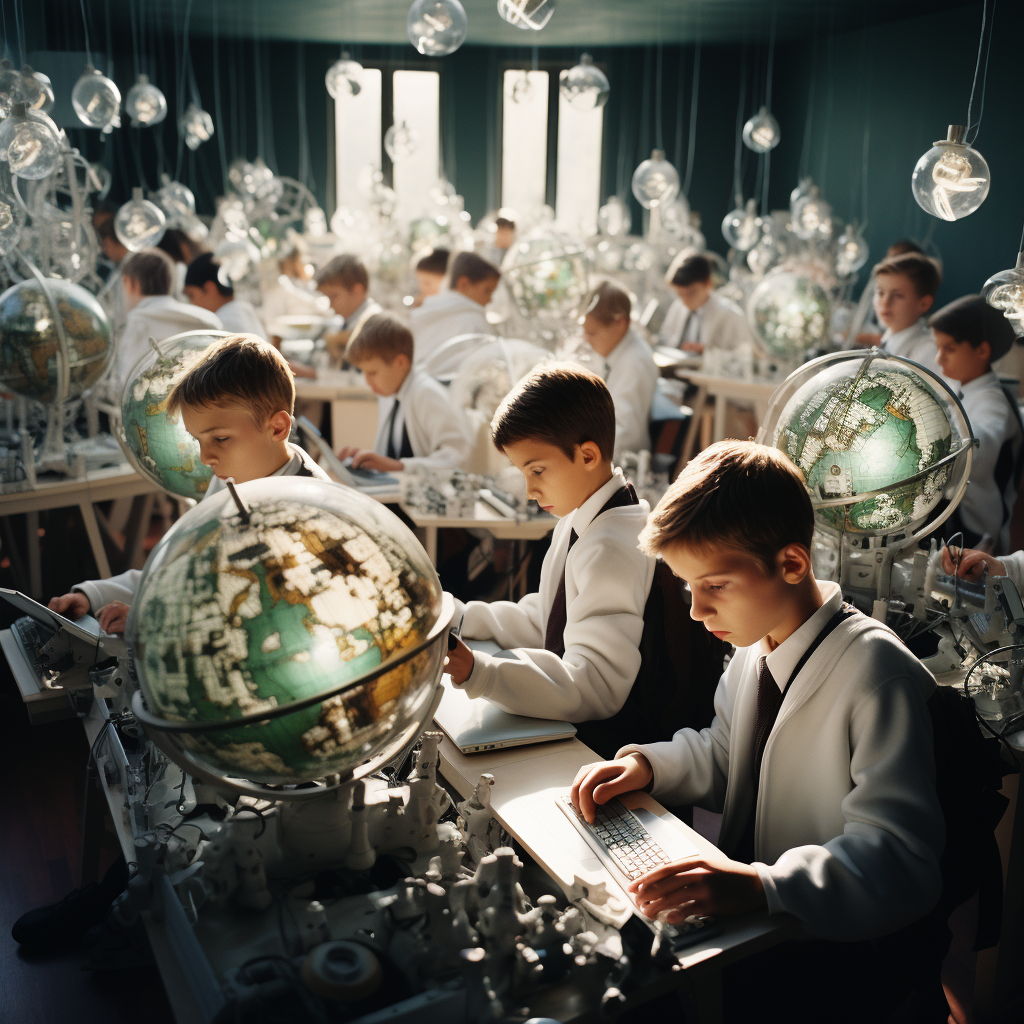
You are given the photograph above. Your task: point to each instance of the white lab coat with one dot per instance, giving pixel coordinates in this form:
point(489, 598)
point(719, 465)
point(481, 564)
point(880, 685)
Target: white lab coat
point(848, 829)
point(631, 376)
point(240, 317)
point(438, 434)
point(443, 316)
point(607, 580)
point(722, 324)
point(914, 342)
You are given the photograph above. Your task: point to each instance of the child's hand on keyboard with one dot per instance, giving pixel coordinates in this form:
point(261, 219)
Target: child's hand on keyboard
point(706, 884)
point(599, 782)
point(113, 617)
point(71, 606)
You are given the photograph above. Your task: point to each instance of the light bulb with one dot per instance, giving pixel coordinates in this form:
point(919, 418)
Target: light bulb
point(1005, 292)
point(853, 251)
point(812, 216)
point(10, 87)
point(10, 235)
point(177, 202)
point(236, 256)
point(675, 217)
point(344, 77)
point(145, 104)
point(521, 87)
point(314, 221)
point(741, 227)
point(30, 142)
point(36, 90)
point(436, 27)
point(139, 223)
point(196, 126)
point(97, 101)
point(803, 187)
point(951, 180)
point(400, 141)
point(655, 181)
point(6, 217)
point(766, 253)
point(527, 14)
point(99, 179)
point(614, 218)
point(761, 133)
point(585, 87)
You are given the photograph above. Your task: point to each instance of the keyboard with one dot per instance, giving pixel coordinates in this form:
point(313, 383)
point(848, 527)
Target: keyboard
point(31, 635)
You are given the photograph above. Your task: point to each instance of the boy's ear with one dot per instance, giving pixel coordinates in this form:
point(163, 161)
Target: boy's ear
point(927, 301)
point(985, 351)
point(794, 562)
point(281, 424)
point(591, 454)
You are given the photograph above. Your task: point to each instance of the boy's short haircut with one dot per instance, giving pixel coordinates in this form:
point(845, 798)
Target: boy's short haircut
point(174, 243)
point(735, 494)
point(504, 222)
point(922, 271)
point(346, 270)
point(562, 405)
point(608, 303)
point(435, 262)
point(476, 268)
point(151, 269)
point(205, 268)
point(240, 368)
point(382, 335)
point(904, 245)
point(971, 319)
point(693, 270)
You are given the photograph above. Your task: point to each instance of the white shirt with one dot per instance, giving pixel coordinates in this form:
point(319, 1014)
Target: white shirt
point(631, 376)
point(607, 580)
point(240, 317)
point(914, 342)
point(1014, 565)
point(444, 316)
point(719, 323)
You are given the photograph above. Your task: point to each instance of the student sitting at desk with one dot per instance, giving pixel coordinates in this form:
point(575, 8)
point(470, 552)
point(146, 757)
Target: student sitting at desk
point(699, 319)
point(417, 422)
point(820, 754)
point(205, 288)
point(905, 288)
point(430, 272)
point(578, 638)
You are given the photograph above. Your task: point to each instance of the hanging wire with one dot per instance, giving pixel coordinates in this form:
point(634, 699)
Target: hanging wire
point(182, 86)
point(222, 146)
point(984, 81)
point(88, 48)
point(771, 58)
point(135, 38)
point(677, 160)
point(737, 177)
point(300, 89)
point(659, 140)
point(694, 91)
point(829, 96)
point(805, 149)
point(867, 141)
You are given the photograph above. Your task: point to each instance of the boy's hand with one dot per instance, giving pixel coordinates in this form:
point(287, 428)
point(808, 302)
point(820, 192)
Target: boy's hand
point(371, 460)
point(113, 617)
point(708, 883)
point(599, 782)
point(459, 663)
point(971, 563)
point(71, 606)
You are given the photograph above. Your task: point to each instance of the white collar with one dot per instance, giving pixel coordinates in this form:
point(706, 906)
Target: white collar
point(403, 392)
point(985, 381)
point(624, 344)
point(587, 512)
point(918, 326)
point(787, 655)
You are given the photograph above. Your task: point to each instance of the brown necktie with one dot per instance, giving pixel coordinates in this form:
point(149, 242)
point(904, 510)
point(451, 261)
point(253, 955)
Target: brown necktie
point(769, 701)
point(554, 634)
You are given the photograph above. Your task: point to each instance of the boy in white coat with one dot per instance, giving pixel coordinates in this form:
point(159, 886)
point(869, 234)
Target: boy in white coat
point(822, 767)
point(578, 638)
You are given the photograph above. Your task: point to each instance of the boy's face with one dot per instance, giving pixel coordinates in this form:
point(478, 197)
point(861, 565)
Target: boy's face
point(897, 302)
point(205, 296)
point(959, 360)
point(693, 296)
point(382, 377)
point(557, 483)
point(479, 291)
point(344, 301)
point(429, 284)
point(601, 337)
point(233, 444)
point(504, 237)
point(132, 292)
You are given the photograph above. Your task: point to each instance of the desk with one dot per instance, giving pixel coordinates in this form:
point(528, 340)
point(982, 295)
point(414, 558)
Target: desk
point(353, 406)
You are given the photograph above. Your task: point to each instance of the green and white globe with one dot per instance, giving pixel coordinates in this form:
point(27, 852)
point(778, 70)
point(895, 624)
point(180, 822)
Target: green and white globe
point(864, 425)
point(790, 312)
point(320, 587)
point(32, 361)
point(161, 448)
point(546, 275)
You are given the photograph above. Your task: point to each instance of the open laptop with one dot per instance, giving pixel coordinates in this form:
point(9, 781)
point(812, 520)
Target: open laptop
point(477, 725)
point(368, 481)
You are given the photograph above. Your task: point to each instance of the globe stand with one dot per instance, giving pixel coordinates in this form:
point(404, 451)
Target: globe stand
point(54, 456)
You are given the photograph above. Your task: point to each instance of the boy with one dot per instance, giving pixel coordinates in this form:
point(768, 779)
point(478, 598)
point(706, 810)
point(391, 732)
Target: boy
point(460, 310)
point(905, 288)
point(420, 425)
point(147, 277)
point(504, 239)
point(577, 639)
point(969, 335)
point(699, 318)
point(430, 271)
point(291, 292)
point(628, 370)
point(820, 754)
point(204, 288)
point(870, 333)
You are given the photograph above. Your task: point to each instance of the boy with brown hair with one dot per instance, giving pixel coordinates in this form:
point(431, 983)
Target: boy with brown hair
point(430, 273)
point(417, 422)
point(905, 288)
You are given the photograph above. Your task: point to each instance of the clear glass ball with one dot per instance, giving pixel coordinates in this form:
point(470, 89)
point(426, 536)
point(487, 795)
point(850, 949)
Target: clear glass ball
point(655, 181)
point(145, 104)
point(10, 235)
point(766, 253)
point(36, 90)
point(10, 87)
point(344, 77)
point(761, 133)
point(812, 217)
point(139, 223)
point(177, 201)
point(314, 221)
point(521, 87)
point(437, 27)
point(400, 141)
point(31, 143)
point(527, 14)
point(950, 181)
point(99, 179)
point(803, 187)
point(196, 126)
point(675, 217)
point(236, 256)
point(585, 87)
point(97, 100)
point(741, 227)
point(1005, 292)
point(614, 218)
point(790, 312)
point(853, 251)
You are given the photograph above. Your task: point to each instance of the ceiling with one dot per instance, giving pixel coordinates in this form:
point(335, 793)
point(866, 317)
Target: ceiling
point(575, 23)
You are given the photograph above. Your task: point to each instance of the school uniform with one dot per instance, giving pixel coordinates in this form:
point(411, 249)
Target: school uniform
point(842, 821)
point(584, 670)
point(240, 317)
point(719, 323)
point(123, 587)
point(631, 376)
point(442, 317)
point(914, 342)
point(421, 426)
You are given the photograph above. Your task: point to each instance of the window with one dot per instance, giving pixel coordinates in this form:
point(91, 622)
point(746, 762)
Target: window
point(578, 180)
point(417, 102)
point(358, 137)
point(524, 140)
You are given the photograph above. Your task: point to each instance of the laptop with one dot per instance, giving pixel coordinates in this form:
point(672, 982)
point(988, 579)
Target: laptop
point(477, 725)
point(368, 481)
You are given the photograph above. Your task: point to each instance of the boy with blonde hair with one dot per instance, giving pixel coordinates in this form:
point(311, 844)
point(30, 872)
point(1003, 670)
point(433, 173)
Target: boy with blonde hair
point(905, 287)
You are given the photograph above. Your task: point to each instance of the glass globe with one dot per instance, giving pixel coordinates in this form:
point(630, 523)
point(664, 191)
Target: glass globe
point(400, 141)
point(177, 201)
point(741, 227)
point(196, 126)
point(585, 87)
point(10, 227)
point(314, 221)
point(1005, 292)
point(614, 218)
point(36, 90)
point(30, 142)
point(99, 179)
point(951, 180)
point(145, 104)
point(546, 275)
point(236, 256)
point(789, 312)
point(768, 251)
point(812, 216)
point(139, 223)
point(761, 133)
point(675, 217)
point(10, 87)
point(436, 27)
point(97, 101)
point(527, 14)
point(803, 187)
point(344, 77)
point(655, 181)
point(853, 251)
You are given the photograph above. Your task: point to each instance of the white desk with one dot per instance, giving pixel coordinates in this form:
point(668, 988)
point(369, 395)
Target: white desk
point(353, 406)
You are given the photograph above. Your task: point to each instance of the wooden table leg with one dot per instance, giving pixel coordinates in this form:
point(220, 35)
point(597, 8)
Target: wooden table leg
point(700, 401)
point(92, 528)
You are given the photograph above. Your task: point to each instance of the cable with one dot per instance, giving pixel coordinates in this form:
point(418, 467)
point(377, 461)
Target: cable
point(659, 140)
point(88, 48)
point(977, 68)
point(692, 145)
point(737, 179)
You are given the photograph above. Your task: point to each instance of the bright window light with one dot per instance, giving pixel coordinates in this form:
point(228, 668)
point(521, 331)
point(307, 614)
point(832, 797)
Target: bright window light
point(524, 140)
point(418, 103)
point(357, 137)
point(578, 181)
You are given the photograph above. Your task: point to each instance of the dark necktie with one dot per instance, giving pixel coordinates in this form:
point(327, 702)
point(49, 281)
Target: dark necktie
point(769, 701)
point(390, 451)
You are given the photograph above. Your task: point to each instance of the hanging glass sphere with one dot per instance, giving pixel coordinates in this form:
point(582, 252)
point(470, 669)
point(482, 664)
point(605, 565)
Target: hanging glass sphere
point(741, 227)
point(527, 14)
point(97, 101)
point(437, 27)
point(585, 87)
point(10, 235)
point(400, 141)
point(145, 104)
point(177, 202)
point(853, 251)
point(6, 217)
point(655, 181)
point(790, 312)
point(344, 77)
point(521, 87)
point(30, 142)
point(812, 217)
point(10, 87)
point(139, 223)
point(804, 186)
point(951, 180)
point(675, 218)
point(614, 218)
point(99, 180)
point(1005, 292)
point(196, 126)
point(36, 90)
point(767, 252)
point(314, 221)
point(761, 133)
point(236, 256)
